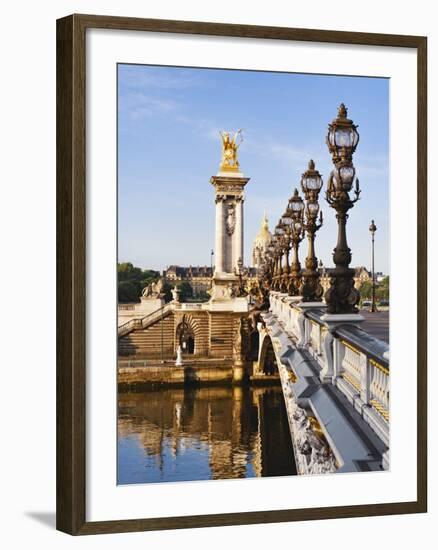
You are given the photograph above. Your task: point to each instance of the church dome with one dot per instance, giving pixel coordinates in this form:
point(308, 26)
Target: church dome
point(264, 236)
point(261, 242)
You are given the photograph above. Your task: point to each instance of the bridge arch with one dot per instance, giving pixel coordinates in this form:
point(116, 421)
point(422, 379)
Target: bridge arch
point(254, 339)
point(188, 335)
point(267, 360)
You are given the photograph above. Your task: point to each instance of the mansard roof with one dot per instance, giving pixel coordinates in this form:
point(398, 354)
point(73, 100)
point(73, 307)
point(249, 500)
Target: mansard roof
point(187, 272)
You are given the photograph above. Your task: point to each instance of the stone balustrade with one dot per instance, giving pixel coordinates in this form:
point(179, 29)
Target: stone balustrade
point(142, 322)
point(127, 307)
point(348, 357)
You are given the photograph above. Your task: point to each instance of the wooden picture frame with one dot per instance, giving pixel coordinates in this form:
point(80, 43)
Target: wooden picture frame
point(71, 273)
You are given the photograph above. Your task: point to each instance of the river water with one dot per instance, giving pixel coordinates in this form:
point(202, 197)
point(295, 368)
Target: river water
point(189, 434)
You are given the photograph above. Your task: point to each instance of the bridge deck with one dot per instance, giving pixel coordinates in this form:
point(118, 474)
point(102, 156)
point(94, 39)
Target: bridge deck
point(376, 324)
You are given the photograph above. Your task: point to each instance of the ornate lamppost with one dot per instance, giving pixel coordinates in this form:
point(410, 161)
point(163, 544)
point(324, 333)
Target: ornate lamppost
point(242, 275)
point(295, 208)
point(311, 183)
point(268, 264)
point(286, 241)
point(279, 234)
point(342, 140)
point(274, 254)
point(373, 229)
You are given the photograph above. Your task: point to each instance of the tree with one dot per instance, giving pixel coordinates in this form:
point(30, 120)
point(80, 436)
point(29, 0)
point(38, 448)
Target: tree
point(365, 290)
point(167, 291)
point(127, 292)
point(132, 280)
point(186, 291)
point(203, 296)
point(382, 291)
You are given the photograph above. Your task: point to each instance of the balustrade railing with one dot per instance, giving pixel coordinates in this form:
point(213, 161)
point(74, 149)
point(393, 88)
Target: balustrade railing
point(379, 388)
point(348, 357)
point(351, 365)
point(143, 322)
point(315, 337)
point(192, 305)
point(127, 307)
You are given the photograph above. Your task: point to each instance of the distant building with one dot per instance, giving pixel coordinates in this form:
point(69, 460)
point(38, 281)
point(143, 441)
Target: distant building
point(261, 242)
point(199, 277)
point(362, 275)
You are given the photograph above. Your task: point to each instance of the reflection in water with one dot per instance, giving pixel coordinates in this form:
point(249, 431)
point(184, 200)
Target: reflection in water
point(203, 433)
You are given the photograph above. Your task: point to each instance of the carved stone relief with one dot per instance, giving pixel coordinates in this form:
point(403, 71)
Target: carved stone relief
point(230, 220)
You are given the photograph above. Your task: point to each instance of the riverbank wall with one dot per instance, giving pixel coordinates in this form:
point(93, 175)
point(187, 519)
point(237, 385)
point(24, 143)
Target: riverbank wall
point(143, 374)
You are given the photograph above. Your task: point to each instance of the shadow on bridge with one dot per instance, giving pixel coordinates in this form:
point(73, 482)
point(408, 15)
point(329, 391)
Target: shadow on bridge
point(267, 360)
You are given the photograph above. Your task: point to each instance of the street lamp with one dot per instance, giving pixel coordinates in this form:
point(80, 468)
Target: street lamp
point(295, 208)
point(286, 220)
point(373, 229)
point(268, 265)
point(342, 139)
point(311, 183)
point(273, 250)
point(279, 235)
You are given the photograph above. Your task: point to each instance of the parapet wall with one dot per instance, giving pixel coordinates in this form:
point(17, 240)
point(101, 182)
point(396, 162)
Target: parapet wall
point(335, 380)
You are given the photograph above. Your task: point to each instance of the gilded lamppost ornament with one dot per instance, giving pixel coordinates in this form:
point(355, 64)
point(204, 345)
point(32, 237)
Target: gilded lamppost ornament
point(311, 183)
point(342, 139)
point(295, 210)
point(229, 162)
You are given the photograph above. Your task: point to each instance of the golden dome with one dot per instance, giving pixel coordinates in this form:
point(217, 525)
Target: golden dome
point(264, 236)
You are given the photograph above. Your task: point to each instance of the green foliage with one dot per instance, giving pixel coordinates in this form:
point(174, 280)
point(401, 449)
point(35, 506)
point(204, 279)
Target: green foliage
point(382, 290)
point(167, 288)
point(365, 291)
point(132, 280)
point(203, 296)
point(127, 292)
point(186, 291)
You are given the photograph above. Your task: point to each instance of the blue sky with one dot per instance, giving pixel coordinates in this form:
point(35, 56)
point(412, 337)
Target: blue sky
point(169, 147)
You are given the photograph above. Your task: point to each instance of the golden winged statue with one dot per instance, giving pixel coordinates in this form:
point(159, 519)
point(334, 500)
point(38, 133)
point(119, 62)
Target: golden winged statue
point(229, 150)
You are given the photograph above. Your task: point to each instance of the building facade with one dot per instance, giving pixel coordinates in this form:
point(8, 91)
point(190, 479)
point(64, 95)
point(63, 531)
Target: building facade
point(199, 277)
point(361, 275)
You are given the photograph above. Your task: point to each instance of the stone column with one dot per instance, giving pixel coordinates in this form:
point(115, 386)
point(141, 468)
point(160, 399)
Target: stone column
point(219, 252)
point(238, 232)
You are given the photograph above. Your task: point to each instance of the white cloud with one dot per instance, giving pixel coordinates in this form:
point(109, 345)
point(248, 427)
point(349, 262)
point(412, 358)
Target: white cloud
point(131, 77)
point(286, 152)
point(139, 105)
